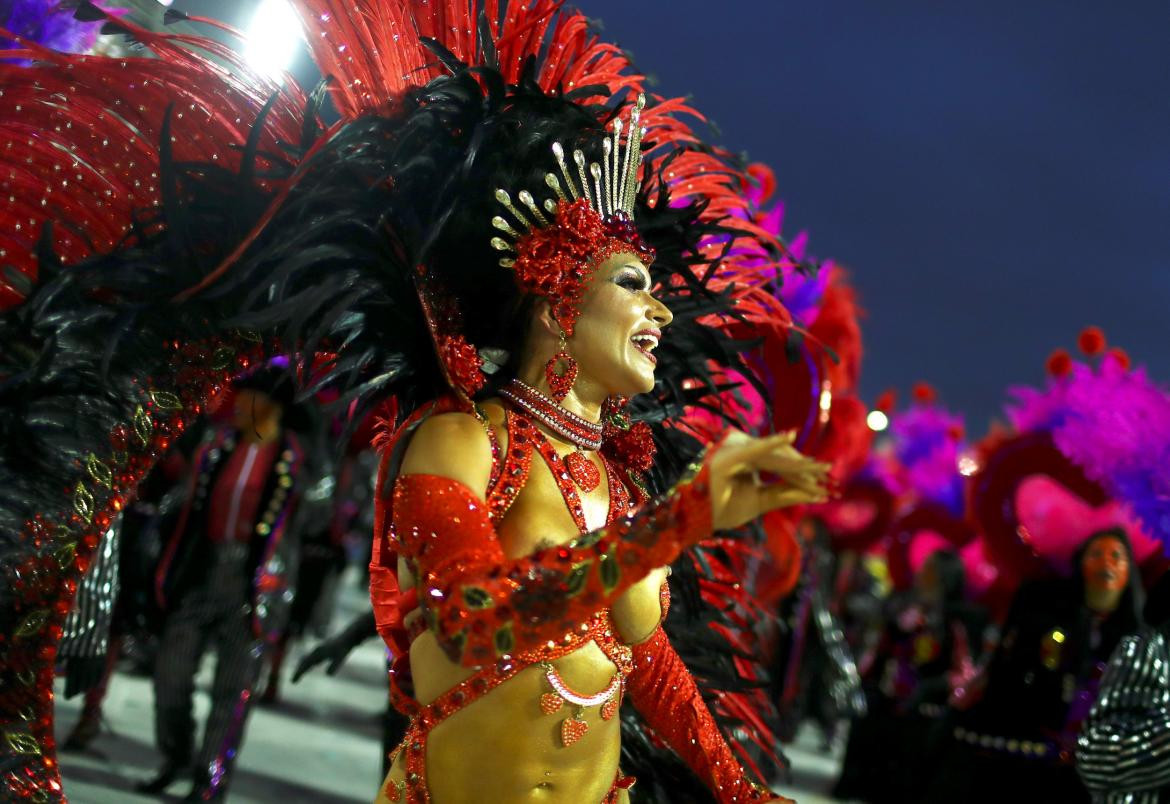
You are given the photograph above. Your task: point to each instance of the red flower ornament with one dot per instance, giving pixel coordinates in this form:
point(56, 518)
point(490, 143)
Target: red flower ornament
point(925, 393)
point(463, 363)
point(1059, 363)
point(555, 261)
point(1091, 341)
point(1121, 357)
point(633, 448)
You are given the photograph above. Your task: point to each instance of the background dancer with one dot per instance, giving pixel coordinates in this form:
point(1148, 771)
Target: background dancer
point(221, 580)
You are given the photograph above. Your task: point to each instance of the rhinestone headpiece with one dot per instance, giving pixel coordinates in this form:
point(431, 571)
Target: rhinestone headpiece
point(609, 188)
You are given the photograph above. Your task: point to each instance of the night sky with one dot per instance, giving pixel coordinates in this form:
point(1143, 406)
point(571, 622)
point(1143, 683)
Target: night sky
point(996, 174)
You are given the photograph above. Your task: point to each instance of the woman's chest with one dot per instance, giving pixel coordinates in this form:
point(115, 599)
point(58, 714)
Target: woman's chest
point(546, 515)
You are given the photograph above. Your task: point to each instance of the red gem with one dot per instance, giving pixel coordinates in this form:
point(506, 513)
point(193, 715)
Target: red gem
point(119, 437)
point(609, 708)
point(583, 471)
point(551, 702)
point(572, 730)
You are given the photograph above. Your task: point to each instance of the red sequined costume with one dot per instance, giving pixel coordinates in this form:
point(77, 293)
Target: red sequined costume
point(503, 616)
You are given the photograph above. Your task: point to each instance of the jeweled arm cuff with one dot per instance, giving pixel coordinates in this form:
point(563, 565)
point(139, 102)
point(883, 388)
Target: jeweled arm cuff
point(483, 606)
point(666, 696)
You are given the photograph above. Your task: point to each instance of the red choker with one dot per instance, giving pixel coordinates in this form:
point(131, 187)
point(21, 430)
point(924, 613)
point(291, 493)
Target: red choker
point(581, 432)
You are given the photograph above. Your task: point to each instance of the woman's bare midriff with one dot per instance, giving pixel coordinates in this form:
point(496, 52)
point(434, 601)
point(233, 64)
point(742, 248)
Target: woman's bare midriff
point(503, 748)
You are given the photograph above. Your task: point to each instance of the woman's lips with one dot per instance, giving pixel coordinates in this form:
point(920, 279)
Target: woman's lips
point(646, 354)
point(645, 342)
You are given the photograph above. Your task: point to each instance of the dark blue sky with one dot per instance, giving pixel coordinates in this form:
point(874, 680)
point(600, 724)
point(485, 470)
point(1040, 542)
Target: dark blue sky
point(995, 173)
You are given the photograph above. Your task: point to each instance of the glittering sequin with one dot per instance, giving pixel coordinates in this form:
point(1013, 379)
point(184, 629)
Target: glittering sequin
point(582, 471)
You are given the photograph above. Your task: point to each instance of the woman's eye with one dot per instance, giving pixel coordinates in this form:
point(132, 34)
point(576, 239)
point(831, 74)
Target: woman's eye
point(631, 282)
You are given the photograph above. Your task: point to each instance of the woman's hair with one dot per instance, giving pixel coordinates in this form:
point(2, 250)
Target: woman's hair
point(1157, 611)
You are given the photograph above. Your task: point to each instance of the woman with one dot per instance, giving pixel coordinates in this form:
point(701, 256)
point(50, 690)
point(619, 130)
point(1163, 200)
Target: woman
point(1120, 752)
point(464, 242)
point(449, 463)
point(538, 600)
point(1043, 678)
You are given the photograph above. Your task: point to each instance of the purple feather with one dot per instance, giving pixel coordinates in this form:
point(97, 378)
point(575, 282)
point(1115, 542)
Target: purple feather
point(49, 23)
point(927, 441)
point(919, 460)
point(800, 292)
point(1036, 409)
point(1117, 428)
point(1115, 425)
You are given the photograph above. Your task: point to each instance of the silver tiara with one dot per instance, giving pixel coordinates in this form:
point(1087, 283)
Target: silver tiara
point(611, 194)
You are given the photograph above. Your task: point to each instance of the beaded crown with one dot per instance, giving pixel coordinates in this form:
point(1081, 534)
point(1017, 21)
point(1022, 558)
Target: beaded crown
point(610, 194)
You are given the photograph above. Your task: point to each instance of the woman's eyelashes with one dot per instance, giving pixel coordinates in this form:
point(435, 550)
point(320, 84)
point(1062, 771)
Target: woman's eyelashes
point(633, 281)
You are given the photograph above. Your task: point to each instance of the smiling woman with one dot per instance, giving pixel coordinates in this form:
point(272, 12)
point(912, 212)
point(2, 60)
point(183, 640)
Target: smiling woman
point(620, 326)
point(533, 557)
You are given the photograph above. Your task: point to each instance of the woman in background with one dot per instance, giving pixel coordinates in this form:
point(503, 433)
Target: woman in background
point(1043, 677)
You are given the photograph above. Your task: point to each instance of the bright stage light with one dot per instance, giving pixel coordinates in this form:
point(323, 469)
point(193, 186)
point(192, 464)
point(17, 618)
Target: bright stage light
point(877, 421)
point(825, 403)
point(273, 38)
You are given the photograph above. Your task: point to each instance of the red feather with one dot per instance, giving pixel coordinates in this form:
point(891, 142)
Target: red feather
point(838, 326)
point(82, 136)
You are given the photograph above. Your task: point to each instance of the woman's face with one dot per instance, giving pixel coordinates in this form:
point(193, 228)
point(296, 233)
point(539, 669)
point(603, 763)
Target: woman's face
point(619, 327)
point(1105, 566)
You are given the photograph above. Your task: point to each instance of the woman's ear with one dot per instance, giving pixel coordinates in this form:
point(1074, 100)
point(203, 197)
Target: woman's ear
point(544, 321)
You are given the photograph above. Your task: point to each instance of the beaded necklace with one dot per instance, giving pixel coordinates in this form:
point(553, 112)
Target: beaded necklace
point(581, 432)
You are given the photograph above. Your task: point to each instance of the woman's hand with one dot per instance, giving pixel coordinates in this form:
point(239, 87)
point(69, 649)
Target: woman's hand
point(739, 495)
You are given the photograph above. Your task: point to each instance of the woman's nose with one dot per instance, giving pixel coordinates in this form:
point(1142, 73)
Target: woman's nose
point(659, 313)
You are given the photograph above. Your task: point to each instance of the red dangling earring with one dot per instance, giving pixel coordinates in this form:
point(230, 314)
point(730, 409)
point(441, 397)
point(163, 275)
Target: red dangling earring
point(560, 383)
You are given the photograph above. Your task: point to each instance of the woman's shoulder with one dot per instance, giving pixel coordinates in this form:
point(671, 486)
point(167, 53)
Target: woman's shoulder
point(454, 445)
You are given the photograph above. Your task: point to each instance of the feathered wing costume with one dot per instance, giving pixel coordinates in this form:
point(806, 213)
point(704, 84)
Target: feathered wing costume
point(804, 380)
point(166, 222)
